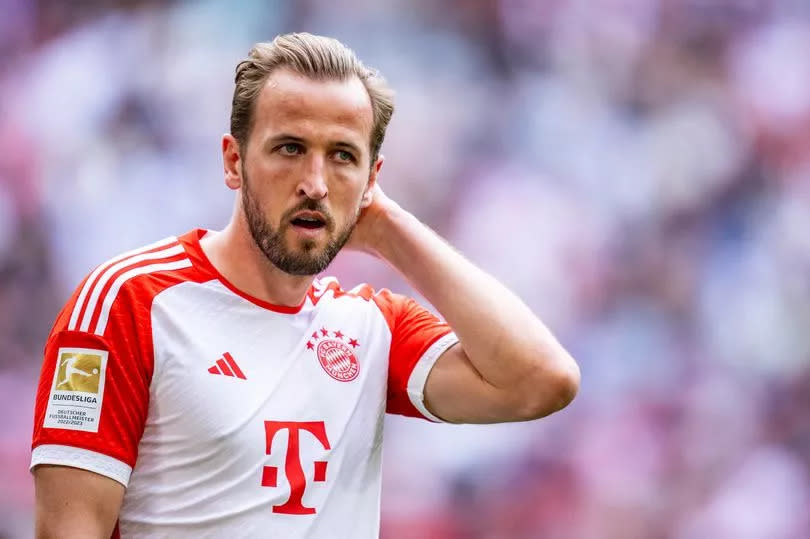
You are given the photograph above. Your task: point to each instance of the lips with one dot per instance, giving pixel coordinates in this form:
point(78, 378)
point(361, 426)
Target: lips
point(309, 219)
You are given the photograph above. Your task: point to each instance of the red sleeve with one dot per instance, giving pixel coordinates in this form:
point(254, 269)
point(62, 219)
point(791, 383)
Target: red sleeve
point(418, 339)
point(93, 392)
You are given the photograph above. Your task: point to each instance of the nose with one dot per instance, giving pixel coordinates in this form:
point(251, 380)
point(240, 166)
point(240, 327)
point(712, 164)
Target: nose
point(313, 180)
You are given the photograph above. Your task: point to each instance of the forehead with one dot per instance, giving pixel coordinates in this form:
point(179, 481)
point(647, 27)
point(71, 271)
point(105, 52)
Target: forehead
point(313, 109)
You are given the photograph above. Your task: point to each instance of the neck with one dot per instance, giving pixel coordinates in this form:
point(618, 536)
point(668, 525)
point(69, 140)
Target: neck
point(234, 253)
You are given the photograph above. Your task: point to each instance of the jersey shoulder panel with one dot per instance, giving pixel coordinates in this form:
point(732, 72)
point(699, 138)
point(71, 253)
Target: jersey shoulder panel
point(98, 360)
point(418, 339)
point(134, 277)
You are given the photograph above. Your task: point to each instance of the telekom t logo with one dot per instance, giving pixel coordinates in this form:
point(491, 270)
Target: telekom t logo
point(292, 463)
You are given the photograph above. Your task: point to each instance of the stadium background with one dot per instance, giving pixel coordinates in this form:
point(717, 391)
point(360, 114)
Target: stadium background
point(637, 170)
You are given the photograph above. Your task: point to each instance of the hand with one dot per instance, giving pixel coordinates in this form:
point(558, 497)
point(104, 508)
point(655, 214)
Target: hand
point(370, 229)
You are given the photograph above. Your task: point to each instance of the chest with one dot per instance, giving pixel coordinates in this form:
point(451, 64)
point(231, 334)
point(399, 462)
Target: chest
point(226, 372)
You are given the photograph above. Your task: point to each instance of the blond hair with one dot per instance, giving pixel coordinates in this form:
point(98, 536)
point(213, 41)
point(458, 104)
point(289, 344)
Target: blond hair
point(316, 57)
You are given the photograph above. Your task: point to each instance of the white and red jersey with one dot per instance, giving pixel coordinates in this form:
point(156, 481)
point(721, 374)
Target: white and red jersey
point(224, 415)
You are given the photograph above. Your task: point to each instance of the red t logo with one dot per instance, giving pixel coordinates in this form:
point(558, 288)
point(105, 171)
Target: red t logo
point(292, 463)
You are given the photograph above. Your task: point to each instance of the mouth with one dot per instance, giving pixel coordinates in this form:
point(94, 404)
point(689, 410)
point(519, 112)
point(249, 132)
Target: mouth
point(309, 220)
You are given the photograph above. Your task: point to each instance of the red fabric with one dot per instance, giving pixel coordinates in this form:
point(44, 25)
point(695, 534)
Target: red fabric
point(128, 340)
point(191, 243)
point(413, 330)
point(84, 305)
point(106, 288)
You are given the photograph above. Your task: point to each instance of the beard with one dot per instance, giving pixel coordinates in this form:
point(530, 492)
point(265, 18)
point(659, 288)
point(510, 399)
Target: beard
point(309, 260)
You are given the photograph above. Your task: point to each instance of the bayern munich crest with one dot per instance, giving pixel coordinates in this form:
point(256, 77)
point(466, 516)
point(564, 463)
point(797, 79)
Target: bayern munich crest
point(335, 353)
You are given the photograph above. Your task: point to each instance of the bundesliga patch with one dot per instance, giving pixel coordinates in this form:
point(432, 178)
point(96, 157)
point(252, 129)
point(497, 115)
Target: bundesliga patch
point(77, 389)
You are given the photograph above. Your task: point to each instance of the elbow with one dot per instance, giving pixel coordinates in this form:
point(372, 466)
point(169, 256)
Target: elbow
point(550, 390)
point(568, 385)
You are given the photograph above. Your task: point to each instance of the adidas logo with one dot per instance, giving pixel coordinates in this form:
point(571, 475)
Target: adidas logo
point(227, 366)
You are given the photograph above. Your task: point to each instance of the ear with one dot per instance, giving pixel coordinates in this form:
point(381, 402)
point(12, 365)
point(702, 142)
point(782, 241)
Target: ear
point(232, 161)
point(368, 194)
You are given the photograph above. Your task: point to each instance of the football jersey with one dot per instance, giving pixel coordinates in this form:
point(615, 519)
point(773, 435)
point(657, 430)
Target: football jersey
point(224, 415)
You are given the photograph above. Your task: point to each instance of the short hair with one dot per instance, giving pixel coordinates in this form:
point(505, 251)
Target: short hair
point(316, 57)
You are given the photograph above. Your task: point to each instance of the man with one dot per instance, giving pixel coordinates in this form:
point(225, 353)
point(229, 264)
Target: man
point(237, 395)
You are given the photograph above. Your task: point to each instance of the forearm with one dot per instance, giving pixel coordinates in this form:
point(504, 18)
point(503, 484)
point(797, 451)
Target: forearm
point(505, 342)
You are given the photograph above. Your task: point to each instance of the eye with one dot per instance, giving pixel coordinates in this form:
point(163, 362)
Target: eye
point(344, 156)
point(291, 148)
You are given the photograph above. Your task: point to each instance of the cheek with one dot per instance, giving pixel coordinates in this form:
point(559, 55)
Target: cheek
point(271, 181)
point(348, 186)
point(264, 203)
point(272, 174)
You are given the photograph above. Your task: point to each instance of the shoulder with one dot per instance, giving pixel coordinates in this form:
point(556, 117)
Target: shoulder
point(329, 288)
point(386, 302)
point(128, 281)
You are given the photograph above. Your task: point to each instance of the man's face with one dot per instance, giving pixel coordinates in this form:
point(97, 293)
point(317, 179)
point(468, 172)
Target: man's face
point(306, 169)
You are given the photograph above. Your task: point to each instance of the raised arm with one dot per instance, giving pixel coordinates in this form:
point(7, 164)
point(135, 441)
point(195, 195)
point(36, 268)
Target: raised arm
point(508, 366)
point(74, 503)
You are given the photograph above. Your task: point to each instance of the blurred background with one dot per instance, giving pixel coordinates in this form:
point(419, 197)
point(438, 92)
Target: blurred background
point(637, 170)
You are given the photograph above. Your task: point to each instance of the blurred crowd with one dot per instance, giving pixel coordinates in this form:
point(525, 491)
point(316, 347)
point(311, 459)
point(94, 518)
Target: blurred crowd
point(637, 170)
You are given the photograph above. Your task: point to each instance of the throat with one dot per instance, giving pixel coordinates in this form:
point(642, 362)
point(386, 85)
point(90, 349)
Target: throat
point(242, 267)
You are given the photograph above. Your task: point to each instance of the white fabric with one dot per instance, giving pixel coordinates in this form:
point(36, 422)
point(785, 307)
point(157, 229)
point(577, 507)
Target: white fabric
point(76, 457)
point(419, 375)
point(203, 452)
point(109, 298)
point(91, 280)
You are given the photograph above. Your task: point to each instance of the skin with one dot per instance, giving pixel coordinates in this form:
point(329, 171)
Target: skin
point(75, 504)
point(309, 149)
point(321, 119)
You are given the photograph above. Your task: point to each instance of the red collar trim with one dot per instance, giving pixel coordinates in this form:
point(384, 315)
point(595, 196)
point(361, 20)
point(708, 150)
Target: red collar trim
point(191, 243)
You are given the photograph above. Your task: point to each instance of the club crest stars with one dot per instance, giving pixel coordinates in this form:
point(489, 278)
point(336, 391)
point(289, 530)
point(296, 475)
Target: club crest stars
point(335, 352)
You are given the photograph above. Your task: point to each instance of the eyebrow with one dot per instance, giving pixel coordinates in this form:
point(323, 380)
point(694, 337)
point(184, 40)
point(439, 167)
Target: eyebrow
point(283, 137)
point(349, 146)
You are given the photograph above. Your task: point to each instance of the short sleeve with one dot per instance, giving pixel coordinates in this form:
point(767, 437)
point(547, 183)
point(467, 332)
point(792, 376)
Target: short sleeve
point(93, 392)
point(418, 339)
